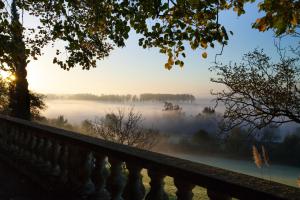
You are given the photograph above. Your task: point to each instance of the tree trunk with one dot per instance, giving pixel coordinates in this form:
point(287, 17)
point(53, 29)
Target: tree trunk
point(19, 97)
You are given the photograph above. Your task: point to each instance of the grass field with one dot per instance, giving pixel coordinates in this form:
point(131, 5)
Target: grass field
point(199, 192)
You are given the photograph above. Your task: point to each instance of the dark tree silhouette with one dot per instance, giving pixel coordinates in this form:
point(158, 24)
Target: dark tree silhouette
point(208, 111)
point(19, 97)
point(259, 92)
point(37, 104)
point(168, 106)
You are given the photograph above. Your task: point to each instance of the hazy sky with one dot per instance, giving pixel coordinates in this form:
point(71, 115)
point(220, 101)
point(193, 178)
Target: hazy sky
point(135, 70)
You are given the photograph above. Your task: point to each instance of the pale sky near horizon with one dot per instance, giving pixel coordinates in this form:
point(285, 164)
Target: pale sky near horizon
point(133, 70)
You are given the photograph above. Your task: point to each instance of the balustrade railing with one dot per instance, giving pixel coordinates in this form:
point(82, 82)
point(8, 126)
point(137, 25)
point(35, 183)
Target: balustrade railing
point(82, 167)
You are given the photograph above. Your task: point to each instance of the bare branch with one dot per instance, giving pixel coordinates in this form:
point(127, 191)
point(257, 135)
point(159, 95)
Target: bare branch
point(259, 93)
point(125, 128)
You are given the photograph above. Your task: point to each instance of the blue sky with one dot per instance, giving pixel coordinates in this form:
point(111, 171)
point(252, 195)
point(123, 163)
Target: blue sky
point(135, 70)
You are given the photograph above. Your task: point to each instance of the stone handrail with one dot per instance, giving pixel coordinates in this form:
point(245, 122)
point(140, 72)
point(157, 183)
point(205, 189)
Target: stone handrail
point(83, 167)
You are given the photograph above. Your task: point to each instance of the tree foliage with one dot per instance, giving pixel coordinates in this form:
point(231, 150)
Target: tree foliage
point(90, 29)
point(37, 104)
point(259, 92)
point(281, 15)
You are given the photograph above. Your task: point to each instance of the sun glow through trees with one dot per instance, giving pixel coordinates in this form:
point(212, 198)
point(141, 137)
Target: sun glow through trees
point(7, 76)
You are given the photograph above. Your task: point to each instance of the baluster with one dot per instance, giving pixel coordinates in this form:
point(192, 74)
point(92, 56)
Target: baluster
point(50, 156)
point(13, 141)
point(32, 148)
point(27, 147)
point(80, 171)
point(6, 137)
point(64, 164)
point(21, 145)
point(55, 171)
point(100, 174)
point(10, 140)
point(46, 152)
point(157, 191)
point(73, 166)
point(21, 141)
point(39, 151)
point(14, 132)
point(213, 195)
point(36, 152)
point(134, 189)
point(184, 189)
point(116, 180)
point(3, 131)
point(84, 172)
point(17, 143)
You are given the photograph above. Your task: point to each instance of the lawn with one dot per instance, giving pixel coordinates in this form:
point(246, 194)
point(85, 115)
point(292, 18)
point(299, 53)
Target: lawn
point(199, 192)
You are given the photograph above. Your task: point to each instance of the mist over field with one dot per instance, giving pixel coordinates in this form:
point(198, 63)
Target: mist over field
point(181, 128)
point(185, 122)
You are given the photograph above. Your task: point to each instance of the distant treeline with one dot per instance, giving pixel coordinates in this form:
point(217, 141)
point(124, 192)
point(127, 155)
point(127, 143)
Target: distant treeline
point(166, 97)
point(127, 97)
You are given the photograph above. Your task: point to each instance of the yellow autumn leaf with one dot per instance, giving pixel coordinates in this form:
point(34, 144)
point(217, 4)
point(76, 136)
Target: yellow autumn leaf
point(262, 27)
point(257, 20)
point(170, 61)
point(294, 20)
point(203, 44)
point(204, 55)
point(168, 66)
point(227, 6)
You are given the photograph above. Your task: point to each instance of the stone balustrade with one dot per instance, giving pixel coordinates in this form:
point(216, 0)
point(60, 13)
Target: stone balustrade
point(81, 167)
